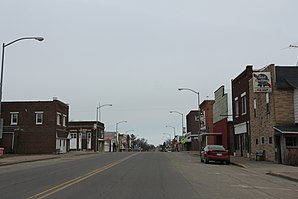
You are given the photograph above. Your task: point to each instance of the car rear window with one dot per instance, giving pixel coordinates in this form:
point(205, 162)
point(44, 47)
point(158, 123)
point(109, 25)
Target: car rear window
point(216, 147)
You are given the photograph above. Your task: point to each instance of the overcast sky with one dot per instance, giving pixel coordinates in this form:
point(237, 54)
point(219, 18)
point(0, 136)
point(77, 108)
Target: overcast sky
point(135, 54)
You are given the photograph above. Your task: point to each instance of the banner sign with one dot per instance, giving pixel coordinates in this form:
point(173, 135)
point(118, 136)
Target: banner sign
point(262, 82)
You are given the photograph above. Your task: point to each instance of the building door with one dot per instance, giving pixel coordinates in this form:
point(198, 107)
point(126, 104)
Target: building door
point(107, 146)
point(277, 150)
point(84, 141)
point(73, 141)
point(241, 144)
point(89, 141)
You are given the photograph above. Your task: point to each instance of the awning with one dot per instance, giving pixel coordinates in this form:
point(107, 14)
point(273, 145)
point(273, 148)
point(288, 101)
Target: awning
point(291, 129)
point(209, 134)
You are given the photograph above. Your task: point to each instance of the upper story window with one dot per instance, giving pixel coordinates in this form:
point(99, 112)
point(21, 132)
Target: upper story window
point(243, 103)
point(64, 120)
point(236, 107)
point(255, 107)
point(39, 117)
point(58, 118)
point(263, 140)
point(14, 118)
point(267, 103)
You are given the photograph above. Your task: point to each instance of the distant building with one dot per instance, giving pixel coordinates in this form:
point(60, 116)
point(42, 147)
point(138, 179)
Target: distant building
point(35, 127)
point(86, 135)
point(192, 126)
point(110, 141)
point(207, 136)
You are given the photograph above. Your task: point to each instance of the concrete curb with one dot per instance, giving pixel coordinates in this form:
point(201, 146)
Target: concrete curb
point(238, 164)
point(282, 176)
point(26, 161)
point(44, 158)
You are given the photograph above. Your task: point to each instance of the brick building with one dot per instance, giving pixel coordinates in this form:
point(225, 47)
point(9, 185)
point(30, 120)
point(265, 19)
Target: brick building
point(35, 127)
point(274, 113)
point(220, 119)
point(241, 113)
point(192, 126)
point(83, 135)
point(207, 136)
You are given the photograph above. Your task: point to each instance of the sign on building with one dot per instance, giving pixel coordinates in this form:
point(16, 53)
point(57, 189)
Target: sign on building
point(262, 82)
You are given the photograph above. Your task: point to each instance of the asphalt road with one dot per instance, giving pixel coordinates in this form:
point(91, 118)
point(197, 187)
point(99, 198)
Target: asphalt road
point(139, 176)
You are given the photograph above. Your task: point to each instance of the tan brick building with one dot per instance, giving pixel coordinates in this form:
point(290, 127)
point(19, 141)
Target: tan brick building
point(273, 116)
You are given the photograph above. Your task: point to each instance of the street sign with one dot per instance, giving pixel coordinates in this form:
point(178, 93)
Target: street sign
point(183, 140)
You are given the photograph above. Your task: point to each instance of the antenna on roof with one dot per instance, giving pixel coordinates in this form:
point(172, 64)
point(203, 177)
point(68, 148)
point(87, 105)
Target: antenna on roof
point(295, 45)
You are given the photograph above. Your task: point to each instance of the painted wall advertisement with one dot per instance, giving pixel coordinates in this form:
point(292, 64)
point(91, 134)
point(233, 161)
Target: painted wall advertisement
point(262, 82)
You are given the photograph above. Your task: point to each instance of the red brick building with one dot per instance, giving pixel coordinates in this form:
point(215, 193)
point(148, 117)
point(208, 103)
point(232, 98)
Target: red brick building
point(83, 135)
point(206, 108)
point(192, 126)
point(241, 113)
point(35, 127)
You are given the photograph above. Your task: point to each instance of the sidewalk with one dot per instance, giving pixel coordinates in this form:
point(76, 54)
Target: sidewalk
point(10, 159)
point(269, 168)
point(266, 167)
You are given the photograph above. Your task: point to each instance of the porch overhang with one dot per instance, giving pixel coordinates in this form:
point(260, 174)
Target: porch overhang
point(291, 129)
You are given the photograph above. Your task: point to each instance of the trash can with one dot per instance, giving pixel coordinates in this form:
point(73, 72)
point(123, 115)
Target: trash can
point(1, 151)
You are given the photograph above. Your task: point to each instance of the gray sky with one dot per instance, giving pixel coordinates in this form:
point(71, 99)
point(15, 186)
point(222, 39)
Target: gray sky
point(135, 54)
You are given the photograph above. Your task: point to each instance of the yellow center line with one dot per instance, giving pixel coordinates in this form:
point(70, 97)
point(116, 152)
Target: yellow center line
point(71, 182)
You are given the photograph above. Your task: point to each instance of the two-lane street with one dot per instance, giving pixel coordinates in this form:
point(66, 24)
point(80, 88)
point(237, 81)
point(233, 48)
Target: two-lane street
point(138, 175)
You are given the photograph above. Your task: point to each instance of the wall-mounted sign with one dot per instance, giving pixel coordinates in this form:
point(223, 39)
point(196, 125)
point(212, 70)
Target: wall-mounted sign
point(262, 82)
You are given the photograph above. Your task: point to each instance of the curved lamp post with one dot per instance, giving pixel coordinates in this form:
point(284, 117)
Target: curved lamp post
point(172, 128)
point(98, 112)
point(199, 110)
point(98, 115)
point(170, 137)
point(2, 67)
point(181, 116)
point(117, 124)
point(129, 131)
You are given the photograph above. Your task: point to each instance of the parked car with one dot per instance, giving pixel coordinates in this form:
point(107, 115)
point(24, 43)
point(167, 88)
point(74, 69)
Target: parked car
point(215, 153)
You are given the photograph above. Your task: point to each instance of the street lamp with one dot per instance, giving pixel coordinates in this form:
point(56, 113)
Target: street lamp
point(117, 131)
point(168, 135)
point(2, 68)
point(117, 124)
point(172, 128)
point(199, 110)
point(181, 116)
point(98, 112)
point(129, 131)
point(98, 115)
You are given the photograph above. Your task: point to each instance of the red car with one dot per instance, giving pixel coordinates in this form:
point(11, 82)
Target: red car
point(215, 153)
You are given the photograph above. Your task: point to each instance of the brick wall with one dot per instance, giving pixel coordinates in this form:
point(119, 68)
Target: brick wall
point(31, 137)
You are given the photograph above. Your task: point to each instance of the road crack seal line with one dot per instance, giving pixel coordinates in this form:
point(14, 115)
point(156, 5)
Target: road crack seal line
point(71, 182)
